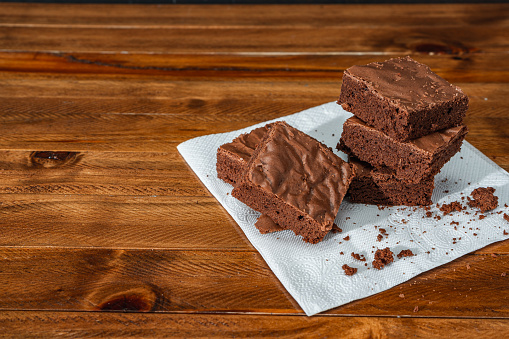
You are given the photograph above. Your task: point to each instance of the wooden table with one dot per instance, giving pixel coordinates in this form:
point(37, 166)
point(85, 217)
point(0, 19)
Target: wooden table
point(100, 213)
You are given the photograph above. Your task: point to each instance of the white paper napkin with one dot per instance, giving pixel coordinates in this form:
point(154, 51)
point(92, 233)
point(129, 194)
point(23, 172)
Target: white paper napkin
point(312, 274)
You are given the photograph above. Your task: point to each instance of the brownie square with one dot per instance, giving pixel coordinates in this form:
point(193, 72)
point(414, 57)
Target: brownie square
point(381, 187)
point(232, 158)
point(295, 180)
point(412, 160)
point(402, 98)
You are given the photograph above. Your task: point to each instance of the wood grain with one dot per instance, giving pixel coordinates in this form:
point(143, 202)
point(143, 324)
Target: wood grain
point(225, 281)
point(389, 40)
point(308, 16)
point(127, 325)
point(467, 67)
point(98, 173)
point(130, 221)
point(72, 219)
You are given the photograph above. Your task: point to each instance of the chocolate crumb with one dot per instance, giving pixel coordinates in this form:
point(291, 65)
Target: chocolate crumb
point(506, 217)
point(455, 223)
point(383, 231)
point(505, 232)
point(265, 225)
point(346, 238)
point(453, 206)
point(358, 256)
point(349, 270)
point(379, 237)
point(482, 216)
point(405, 253)
point(382, 258)
point(483, 199)
point(429, 214)
point(336, 229)
point(341, 253)
point(416, 309)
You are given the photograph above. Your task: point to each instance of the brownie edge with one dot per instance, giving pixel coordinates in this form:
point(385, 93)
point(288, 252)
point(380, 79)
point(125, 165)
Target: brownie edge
point(232, 157)
point(402, 98)
point(411, 161)
point(381, 187)
point(295, 180)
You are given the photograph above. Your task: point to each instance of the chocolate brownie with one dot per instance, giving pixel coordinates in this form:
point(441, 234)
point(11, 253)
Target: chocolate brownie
point(405, 253)
point(295, 180)
point(483, 199)
point(349, 270)
point(402, 98)
point(412, 160)
point(381, 187)
point(265, 225)
point(382, 258)
point(232, 157)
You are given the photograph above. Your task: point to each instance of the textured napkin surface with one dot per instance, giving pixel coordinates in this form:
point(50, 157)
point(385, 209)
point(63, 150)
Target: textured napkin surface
point(312, 274)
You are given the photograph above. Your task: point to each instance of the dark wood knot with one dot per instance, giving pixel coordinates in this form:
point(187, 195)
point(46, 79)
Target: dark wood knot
point(50, 159)
point(141, 298)
point(126, 303)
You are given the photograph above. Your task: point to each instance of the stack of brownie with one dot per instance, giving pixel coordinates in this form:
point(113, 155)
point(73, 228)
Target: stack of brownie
point(407, 123)
point(296, 182)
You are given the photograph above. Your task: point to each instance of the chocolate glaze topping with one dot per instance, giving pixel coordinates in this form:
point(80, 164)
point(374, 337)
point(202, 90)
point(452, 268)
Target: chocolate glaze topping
point(303, 172)
point(245, 144)
point(405, 81)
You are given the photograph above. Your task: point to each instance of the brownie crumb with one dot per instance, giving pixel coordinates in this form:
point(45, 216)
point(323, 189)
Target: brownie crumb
point(383, 231)
point(505, 232)
point(358, 256)
point(429, 214)
point(483, 199)
point(349, 270)
point(416, 309)
point(455, 223)
point(346, 238)
point(482, 216)
point(382, 258)
point(336, 229)
point(506, 217)
point(405, 253)
point(265, 225)
point(453, 206)
point(379, 237)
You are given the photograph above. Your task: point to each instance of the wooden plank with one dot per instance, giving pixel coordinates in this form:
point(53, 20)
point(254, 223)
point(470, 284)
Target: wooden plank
point(71, 218)
point(338, 40)
point(137, 221)
point(127, 325)
point(99, 173)
point(308, 16)
point(470, 67)
point(211, 281)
